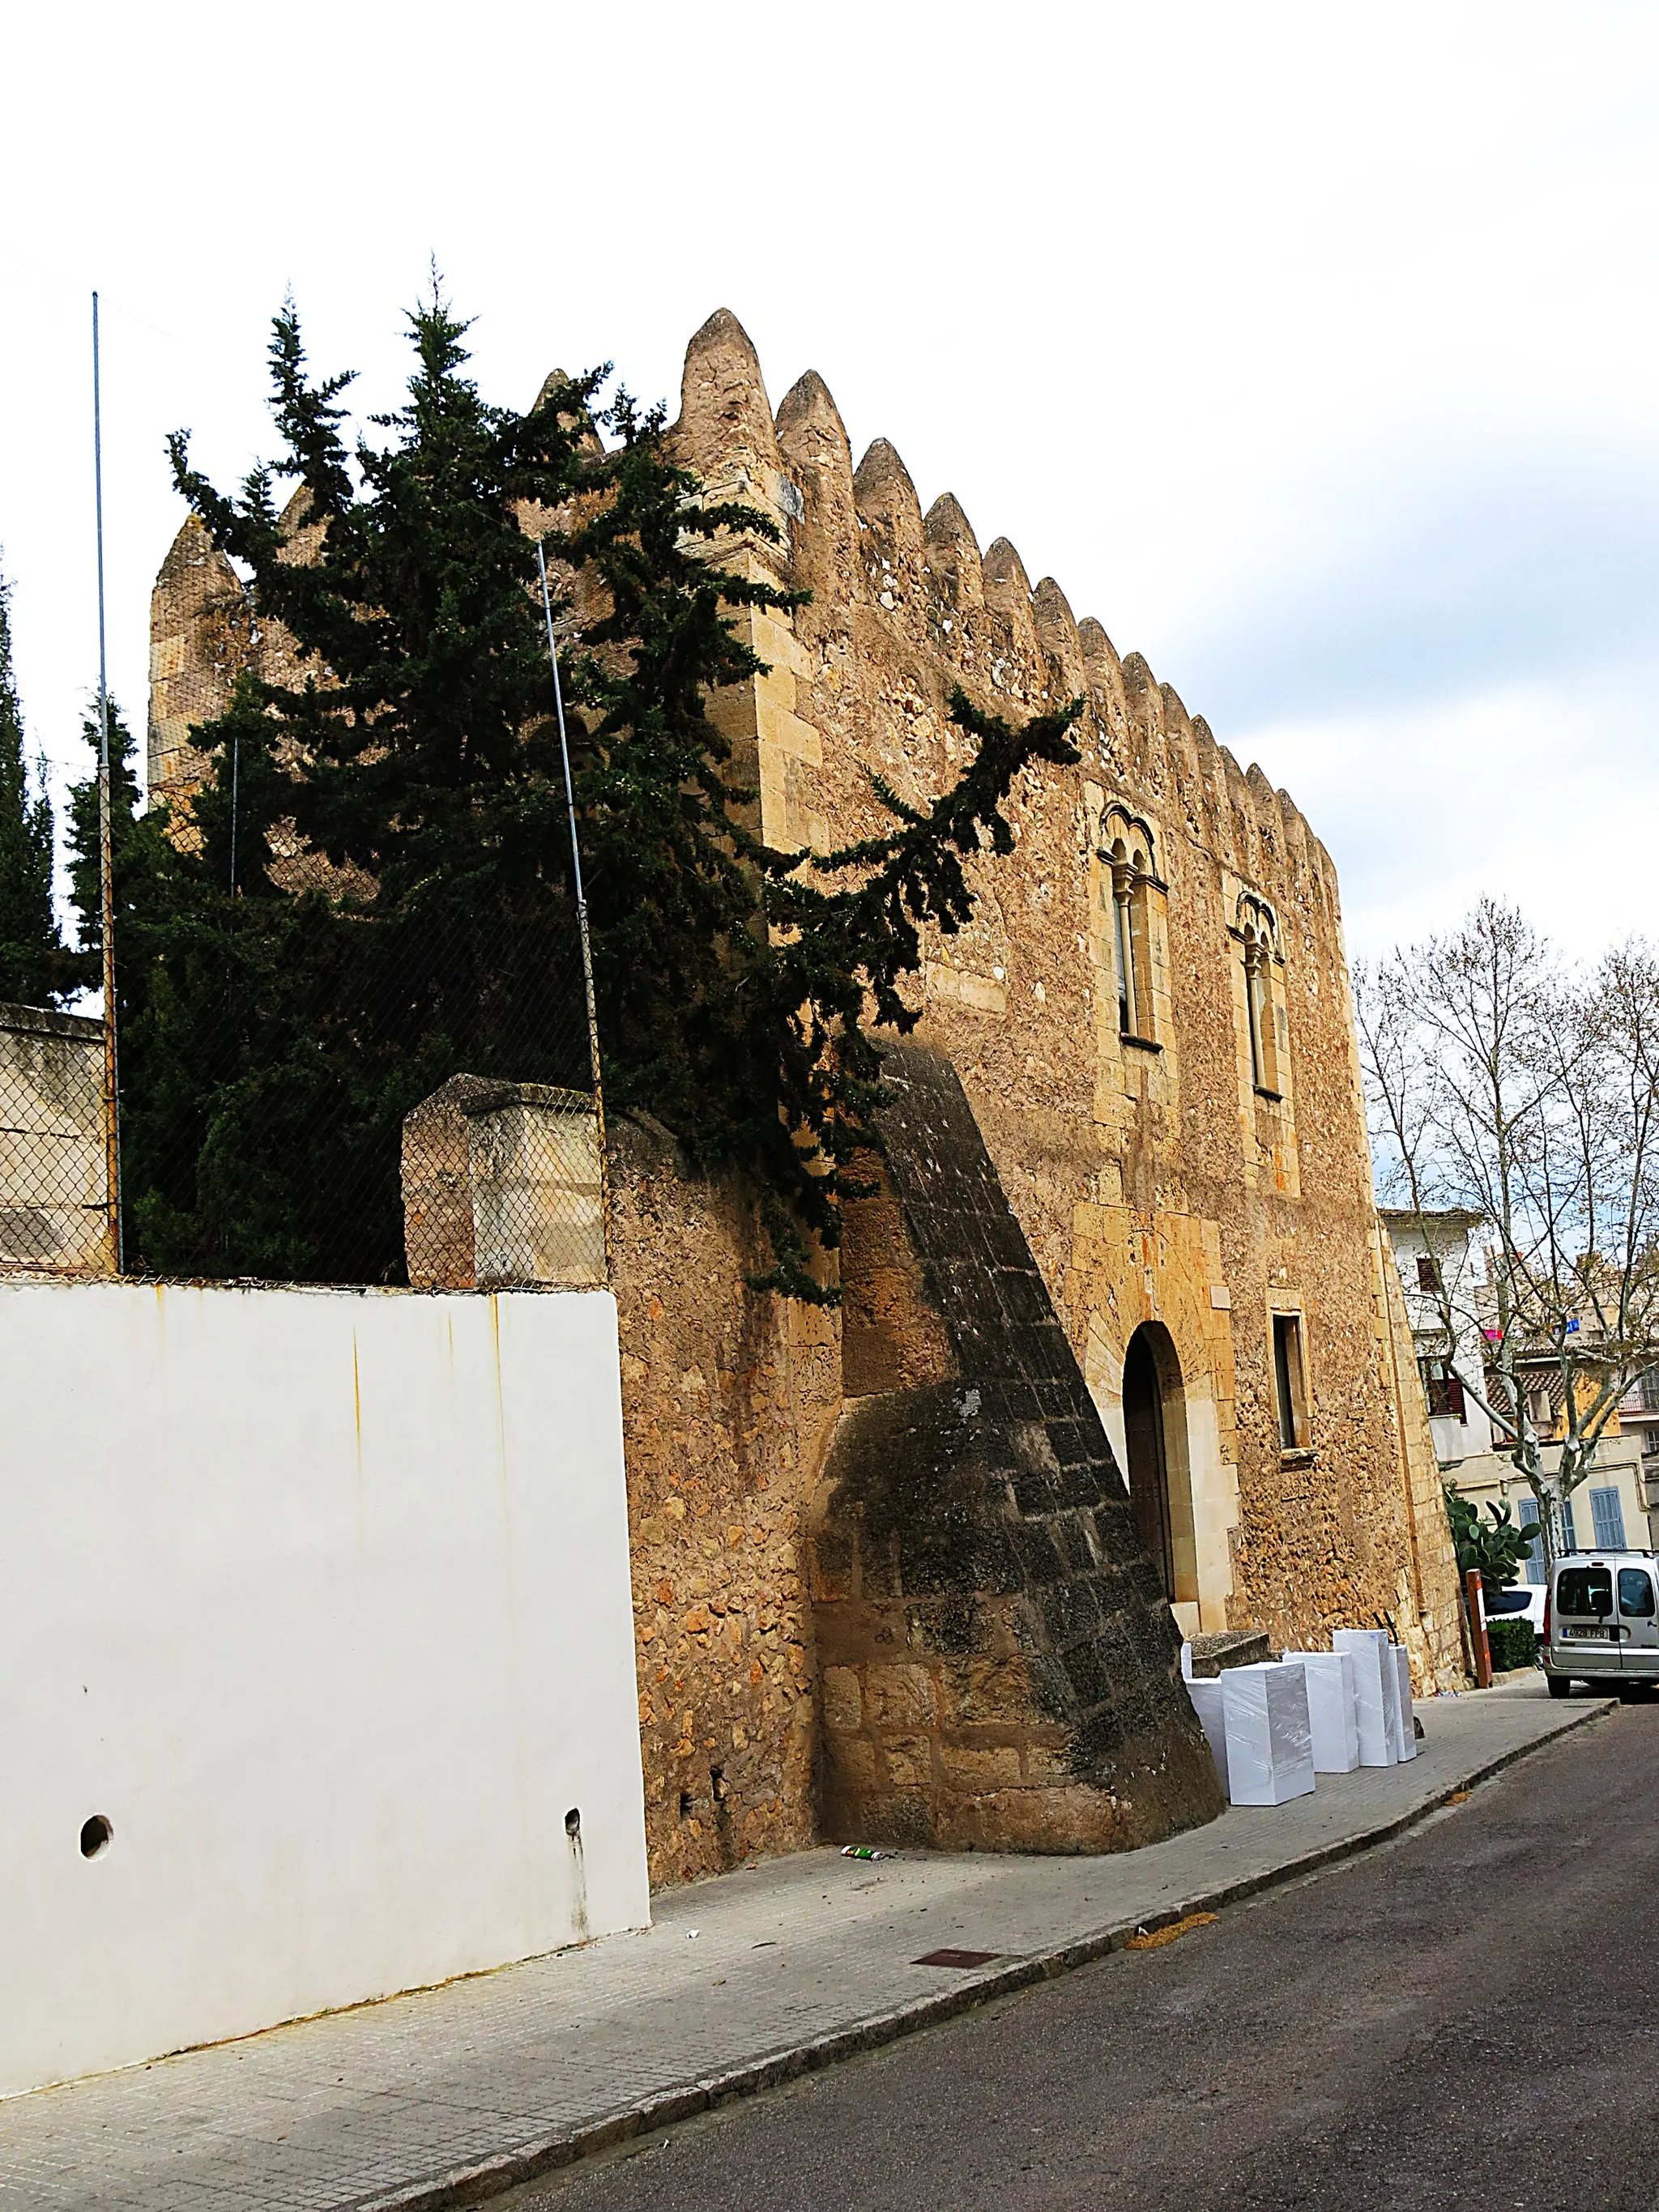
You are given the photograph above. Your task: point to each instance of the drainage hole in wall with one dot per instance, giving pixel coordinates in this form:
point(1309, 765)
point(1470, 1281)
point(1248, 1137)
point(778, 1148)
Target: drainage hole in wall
point(573, 1821)
point(95, 1834)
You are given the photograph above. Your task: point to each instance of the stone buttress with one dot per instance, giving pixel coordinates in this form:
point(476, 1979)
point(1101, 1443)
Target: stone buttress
point(999, 1668)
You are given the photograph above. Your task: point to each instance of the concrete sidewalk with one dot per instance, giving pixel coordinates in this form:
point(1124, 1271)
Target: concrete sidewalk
point(445, 2097)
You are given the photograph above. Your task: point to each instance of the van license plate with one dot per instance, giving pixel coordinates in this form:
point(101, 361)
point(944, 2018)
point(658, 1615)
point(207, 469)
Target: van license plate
point(1588, 1635)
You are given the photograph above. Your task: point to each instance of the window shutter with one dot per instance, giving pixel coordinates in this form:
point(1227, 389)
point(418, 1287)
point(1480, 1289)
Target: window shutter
point(1454, 1396)
point(1608, 1514)
point(1568, 1530)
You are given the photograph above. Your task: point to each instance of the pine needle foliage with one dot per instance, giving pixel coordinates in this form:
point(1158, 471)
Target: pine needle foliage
point(416, 755)
point(735, 983)
point(137, 856)
point(33, 970)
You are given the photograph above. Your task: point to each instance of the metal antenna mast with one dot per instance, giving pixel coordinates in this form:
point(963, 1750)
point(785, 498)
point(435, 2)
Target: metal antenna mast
point(581, 904)
point(106, 864)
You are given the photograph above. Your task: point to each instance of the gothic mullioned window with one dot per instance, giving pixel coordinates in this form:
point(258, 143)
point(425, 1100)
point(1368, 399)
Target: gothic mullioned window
point(1127, 849)
point(1257, 928)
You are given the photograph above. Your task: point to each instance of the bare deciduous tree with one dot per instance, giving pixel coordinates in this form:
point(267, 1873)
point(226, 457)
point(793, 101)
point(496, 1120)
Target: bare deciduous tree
point(1502, 1084)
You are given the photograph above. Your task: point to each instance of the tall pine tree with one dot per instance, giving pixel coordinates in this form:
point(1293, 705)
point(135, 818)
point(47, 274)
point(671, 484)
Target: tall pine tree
point(401, 905)
point(33, 968)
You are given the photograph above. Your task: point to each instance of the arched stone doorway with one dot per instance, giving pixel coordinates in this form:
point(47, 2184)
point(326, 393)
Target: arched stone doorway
point(1155, 1439)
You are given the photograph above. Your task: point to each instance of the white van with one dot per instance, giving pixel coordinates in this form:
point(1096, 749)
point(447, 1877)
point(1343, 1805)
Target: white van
point(1602, 1621)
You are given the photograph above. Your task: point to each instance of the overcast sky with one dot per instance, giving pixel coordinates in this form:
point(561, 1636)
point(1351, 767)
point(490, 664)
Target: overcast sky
point(1310, 349)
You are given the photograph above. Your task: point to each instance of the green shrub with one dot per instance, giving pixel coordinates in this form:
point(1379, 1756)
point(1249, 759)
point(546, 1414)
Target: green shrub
point(1512, 1642)
point(1497, 1546)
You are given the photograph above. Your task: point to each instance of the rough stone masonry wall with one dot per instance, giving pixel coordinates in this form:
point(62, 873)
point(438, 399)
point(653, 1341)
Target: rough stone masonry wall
point(728, 1401)
point(1151, 1186)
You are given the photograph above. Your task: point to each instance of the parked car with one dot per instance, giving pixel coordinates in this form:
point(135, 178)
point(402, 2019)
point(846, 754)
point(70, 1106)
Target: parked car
point(1602, 1621)
point(1524, 1602)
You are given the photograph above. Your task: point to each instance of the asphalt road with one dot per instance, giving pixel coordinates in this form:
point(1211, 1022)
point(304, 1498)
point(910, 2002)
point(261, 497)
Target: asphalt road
point(1469, 2016)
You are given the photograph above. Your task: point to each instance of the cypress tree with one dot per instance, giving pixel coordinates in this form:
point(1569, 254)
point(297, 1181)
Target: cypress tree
point(402, 904)
point(33, 970)
point(136, 854)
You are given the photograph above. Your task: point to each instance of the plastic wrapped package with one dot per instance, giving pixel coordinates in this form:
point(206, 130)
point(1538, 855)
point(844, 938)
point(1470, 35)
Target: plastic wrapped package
point(1402, 1667)
point(1269, 1742)
point(1332, 1715)
point(1207, 1704)
point(1376, 1693)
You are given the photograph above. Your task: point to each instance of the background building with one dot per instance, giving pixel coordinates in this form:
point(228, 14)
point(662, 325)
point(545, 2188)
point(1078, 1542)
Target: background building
point(1611, 1508)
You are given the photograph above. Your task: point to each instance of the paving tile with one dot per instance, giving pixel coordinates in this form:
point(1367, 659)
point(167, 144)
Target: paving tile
point(334, 2113)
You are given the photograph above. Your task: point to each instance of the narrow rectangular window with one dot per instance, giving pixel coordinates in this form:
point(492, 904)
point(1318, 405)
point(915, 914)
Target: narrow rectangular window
point(1428, 1275)
point(1140, 963)
point(1260, 1015)
point(1608, 1513)
point(1443, 1389)
point(1434, 1387)
point(1267, 1040)
point(1252, 1012)
point(1126, 977)
point(1290, 1382)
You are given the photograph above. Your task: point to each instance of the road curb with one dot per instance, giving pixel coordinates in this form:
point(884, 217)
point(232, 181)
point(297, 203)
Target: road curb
point(491, 2177)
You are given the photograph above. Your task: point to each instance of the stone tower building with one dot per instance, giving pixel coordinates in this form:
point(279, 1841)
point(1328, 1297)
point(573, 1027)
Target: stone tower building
point(1150, 1026)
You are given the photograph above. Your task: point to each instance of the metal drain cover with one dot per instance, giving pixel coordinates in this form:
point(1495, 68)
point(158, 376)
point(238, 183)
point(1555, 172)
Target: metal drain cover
point(949, 1958)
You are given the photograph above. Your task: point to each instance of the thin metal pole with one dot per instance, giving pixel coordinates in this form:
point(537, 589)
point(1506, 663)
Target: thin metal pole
point(581, 908)
point(105, 848)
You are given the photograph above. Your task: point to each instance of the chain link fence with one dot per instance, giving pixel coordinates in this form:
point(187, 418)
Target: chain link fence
point(55, 1215)
point(313, 1091)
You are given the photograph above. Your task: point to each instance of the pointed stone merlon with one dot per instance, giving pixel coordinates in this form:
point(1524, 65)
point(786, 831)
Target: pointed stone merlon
point(1268, 825)
point(1103, 673)
point(555, 381)
point(724, 431)
point(813, 444)
point(891, 514)
point(1149, 752)
point(952, 553)
point(199, 642)
point(1008, 592)
point(1296, 837)
point(727, 434)
point(1057, 637)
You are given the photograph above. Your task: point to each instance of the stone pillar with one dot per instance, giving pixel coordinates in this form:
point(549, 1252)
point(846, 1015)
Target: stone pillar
point(501, 1187)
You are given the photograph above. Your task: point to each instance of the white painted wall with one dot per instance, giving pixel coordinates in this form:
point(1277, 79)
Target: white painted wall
point(322, 1599)
point(1215, 1512)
